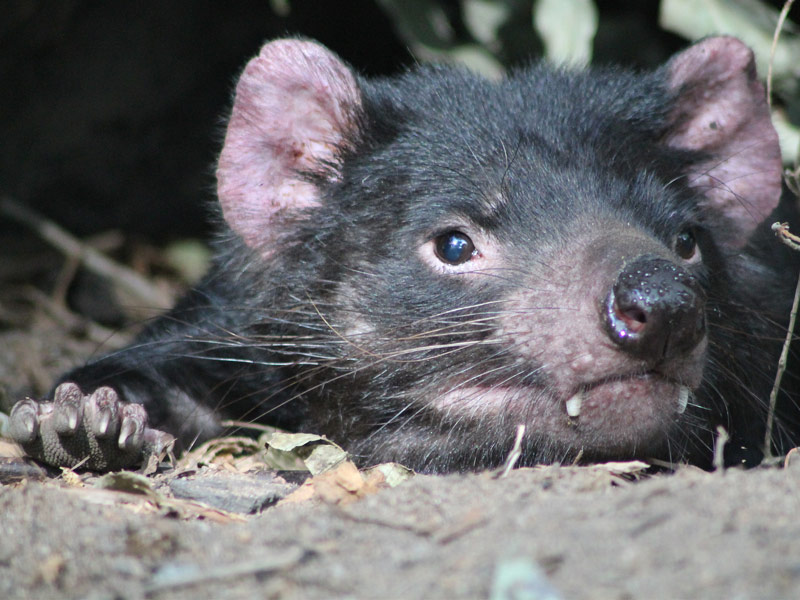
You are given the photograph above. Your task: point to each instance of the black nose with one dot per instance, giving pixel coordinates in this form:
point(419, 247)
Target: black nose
point(656, 310)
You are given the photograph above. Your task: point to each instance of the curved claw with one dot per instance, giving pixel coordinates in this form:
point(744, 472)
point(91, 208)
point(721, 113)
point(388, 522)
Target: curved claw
point(159, 443)
point(23, 422)
point(67, 408)
point(134, 421)
point(102, 412)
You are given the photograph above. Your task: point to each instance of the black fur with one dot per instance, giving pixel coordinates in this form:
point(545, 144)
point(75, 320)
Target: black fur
point(564, 152)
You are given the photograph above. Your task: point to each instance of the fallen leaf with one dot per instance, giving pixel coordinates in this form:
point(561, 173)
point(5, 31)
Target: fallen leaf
point(127, 481)
point(317, 453)
point(342, 485)
point(9, 449)
point(221, 450)
point(70, 477)
point(631, 467)
point(14, 470)
point(393, 473)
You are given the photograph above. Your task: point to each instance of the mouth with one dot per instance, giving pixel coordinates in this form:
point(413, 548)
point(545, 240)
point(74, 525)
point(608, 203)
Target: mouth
point(639, 396)
point(622, 387)
point(613, 418)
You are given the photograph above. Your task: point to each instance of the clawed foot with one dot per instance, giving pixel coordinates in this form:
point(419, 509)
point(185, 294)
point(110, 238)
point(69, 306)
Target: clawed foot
point(95, 431)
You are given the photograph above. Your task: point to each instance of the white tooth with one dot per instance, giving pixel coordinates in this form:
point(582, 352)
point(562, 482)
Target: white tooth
point(683, 398)
point(574, 405)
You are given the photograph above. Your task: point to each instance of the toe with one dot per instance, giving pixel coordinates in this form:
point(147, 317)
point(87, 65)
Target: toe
point(102, 412)
point(134, 421)
point(23, 423)
point(67, 408)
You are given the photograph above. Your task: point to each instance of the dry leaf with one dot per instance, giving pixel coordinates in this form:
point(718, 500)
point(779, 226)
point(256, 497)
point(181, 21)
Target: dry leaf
point(9, 449)
point(342, 485)
point(70, 477)
point(221, 450)
point(317, 453)
point(631, 467)
point(393, 474)
point(127, 481)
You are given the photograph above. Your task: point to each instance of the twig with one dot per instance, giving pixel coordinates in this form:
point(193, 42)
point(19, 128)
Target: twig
point(127, 279)
point(67, 319)
point(516, 452)
point(64, 279)
point(231, 423)
point(781, 19)
point(793, 241)
point(719, 448)
point(782, 231)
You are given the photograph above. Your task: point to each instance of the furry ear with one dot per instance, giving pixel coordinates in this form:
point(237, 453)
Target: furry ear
point(295, 108)
point(721, 111)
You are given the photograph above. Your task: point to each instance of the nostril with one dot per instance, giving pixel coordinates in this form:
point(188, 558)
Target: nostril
point(634, 317)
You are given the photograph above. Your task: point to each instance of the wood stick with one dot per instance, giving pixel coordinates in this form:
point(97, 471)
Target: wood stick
point(127, 279)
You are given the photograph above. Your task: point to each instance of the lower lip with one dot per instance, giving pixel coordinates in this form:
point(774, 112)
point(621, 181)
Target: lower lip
point(624, 402)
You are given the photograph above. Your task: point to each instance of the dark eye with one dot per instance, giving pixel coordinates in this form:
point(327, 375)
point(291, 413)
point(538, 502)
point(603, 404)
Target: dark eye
point(685, 244)
point(454, 247)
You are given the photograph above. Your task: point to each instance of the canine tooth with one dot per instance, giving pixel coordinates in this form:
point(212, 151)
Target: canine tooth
point(574, 405)
point(683, 398)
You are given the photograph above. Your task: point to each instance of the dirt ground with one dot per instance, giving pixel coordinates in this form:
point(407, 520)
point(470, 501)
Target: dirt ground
point(217, 531)
point(556, 533)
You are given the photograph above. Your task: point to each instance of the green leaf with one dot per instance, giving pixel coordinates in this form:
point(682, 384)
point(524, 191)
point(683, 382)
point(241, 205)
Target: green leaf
point(317, 453)
point(190, 258)
point(484, 18)
point(567, 29)
point(420, 22)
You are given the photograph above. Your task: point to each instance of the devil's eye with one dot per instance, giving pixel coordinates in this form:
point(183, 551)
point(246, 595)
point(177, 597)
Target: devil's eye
point(685, 244)
point(454, 247)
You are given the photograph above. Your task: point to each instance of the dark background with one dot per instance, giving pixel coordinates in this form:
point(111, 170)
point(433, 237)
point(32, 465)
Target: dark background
point(112, 113)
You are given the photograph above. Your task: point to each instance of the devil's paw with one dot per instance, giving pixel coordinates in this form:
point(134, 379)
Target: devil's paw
point(94, 431)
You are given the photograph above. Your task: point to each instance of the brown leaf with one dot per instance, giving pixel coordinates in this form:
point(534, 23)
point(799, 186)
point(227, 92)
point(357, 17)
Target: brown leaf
point(341, 485)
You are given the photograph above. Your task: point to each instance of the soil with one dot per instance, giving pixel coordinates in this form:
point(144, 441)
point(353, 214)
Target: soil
point(215, 528)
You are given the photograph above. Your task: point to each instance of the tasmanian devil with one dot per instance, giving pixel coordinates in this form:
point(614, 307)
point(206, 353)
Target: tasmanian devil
point(416, 265)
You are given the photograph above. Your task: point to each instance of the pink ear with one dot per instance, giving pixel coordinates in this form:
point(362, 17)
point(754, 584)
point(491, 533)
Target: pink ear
point(294, 109)
point(721, 110)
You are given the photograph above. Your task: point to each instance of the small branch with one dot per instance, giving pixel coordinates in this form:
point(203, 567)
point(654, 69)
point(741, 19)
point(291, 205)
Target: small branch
point(516, 452)
point(66, 319)
point(775, 36)
point(719, 449)
point(248, 425)
point(793, 241)
point(782, 231)
point(128, 280)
